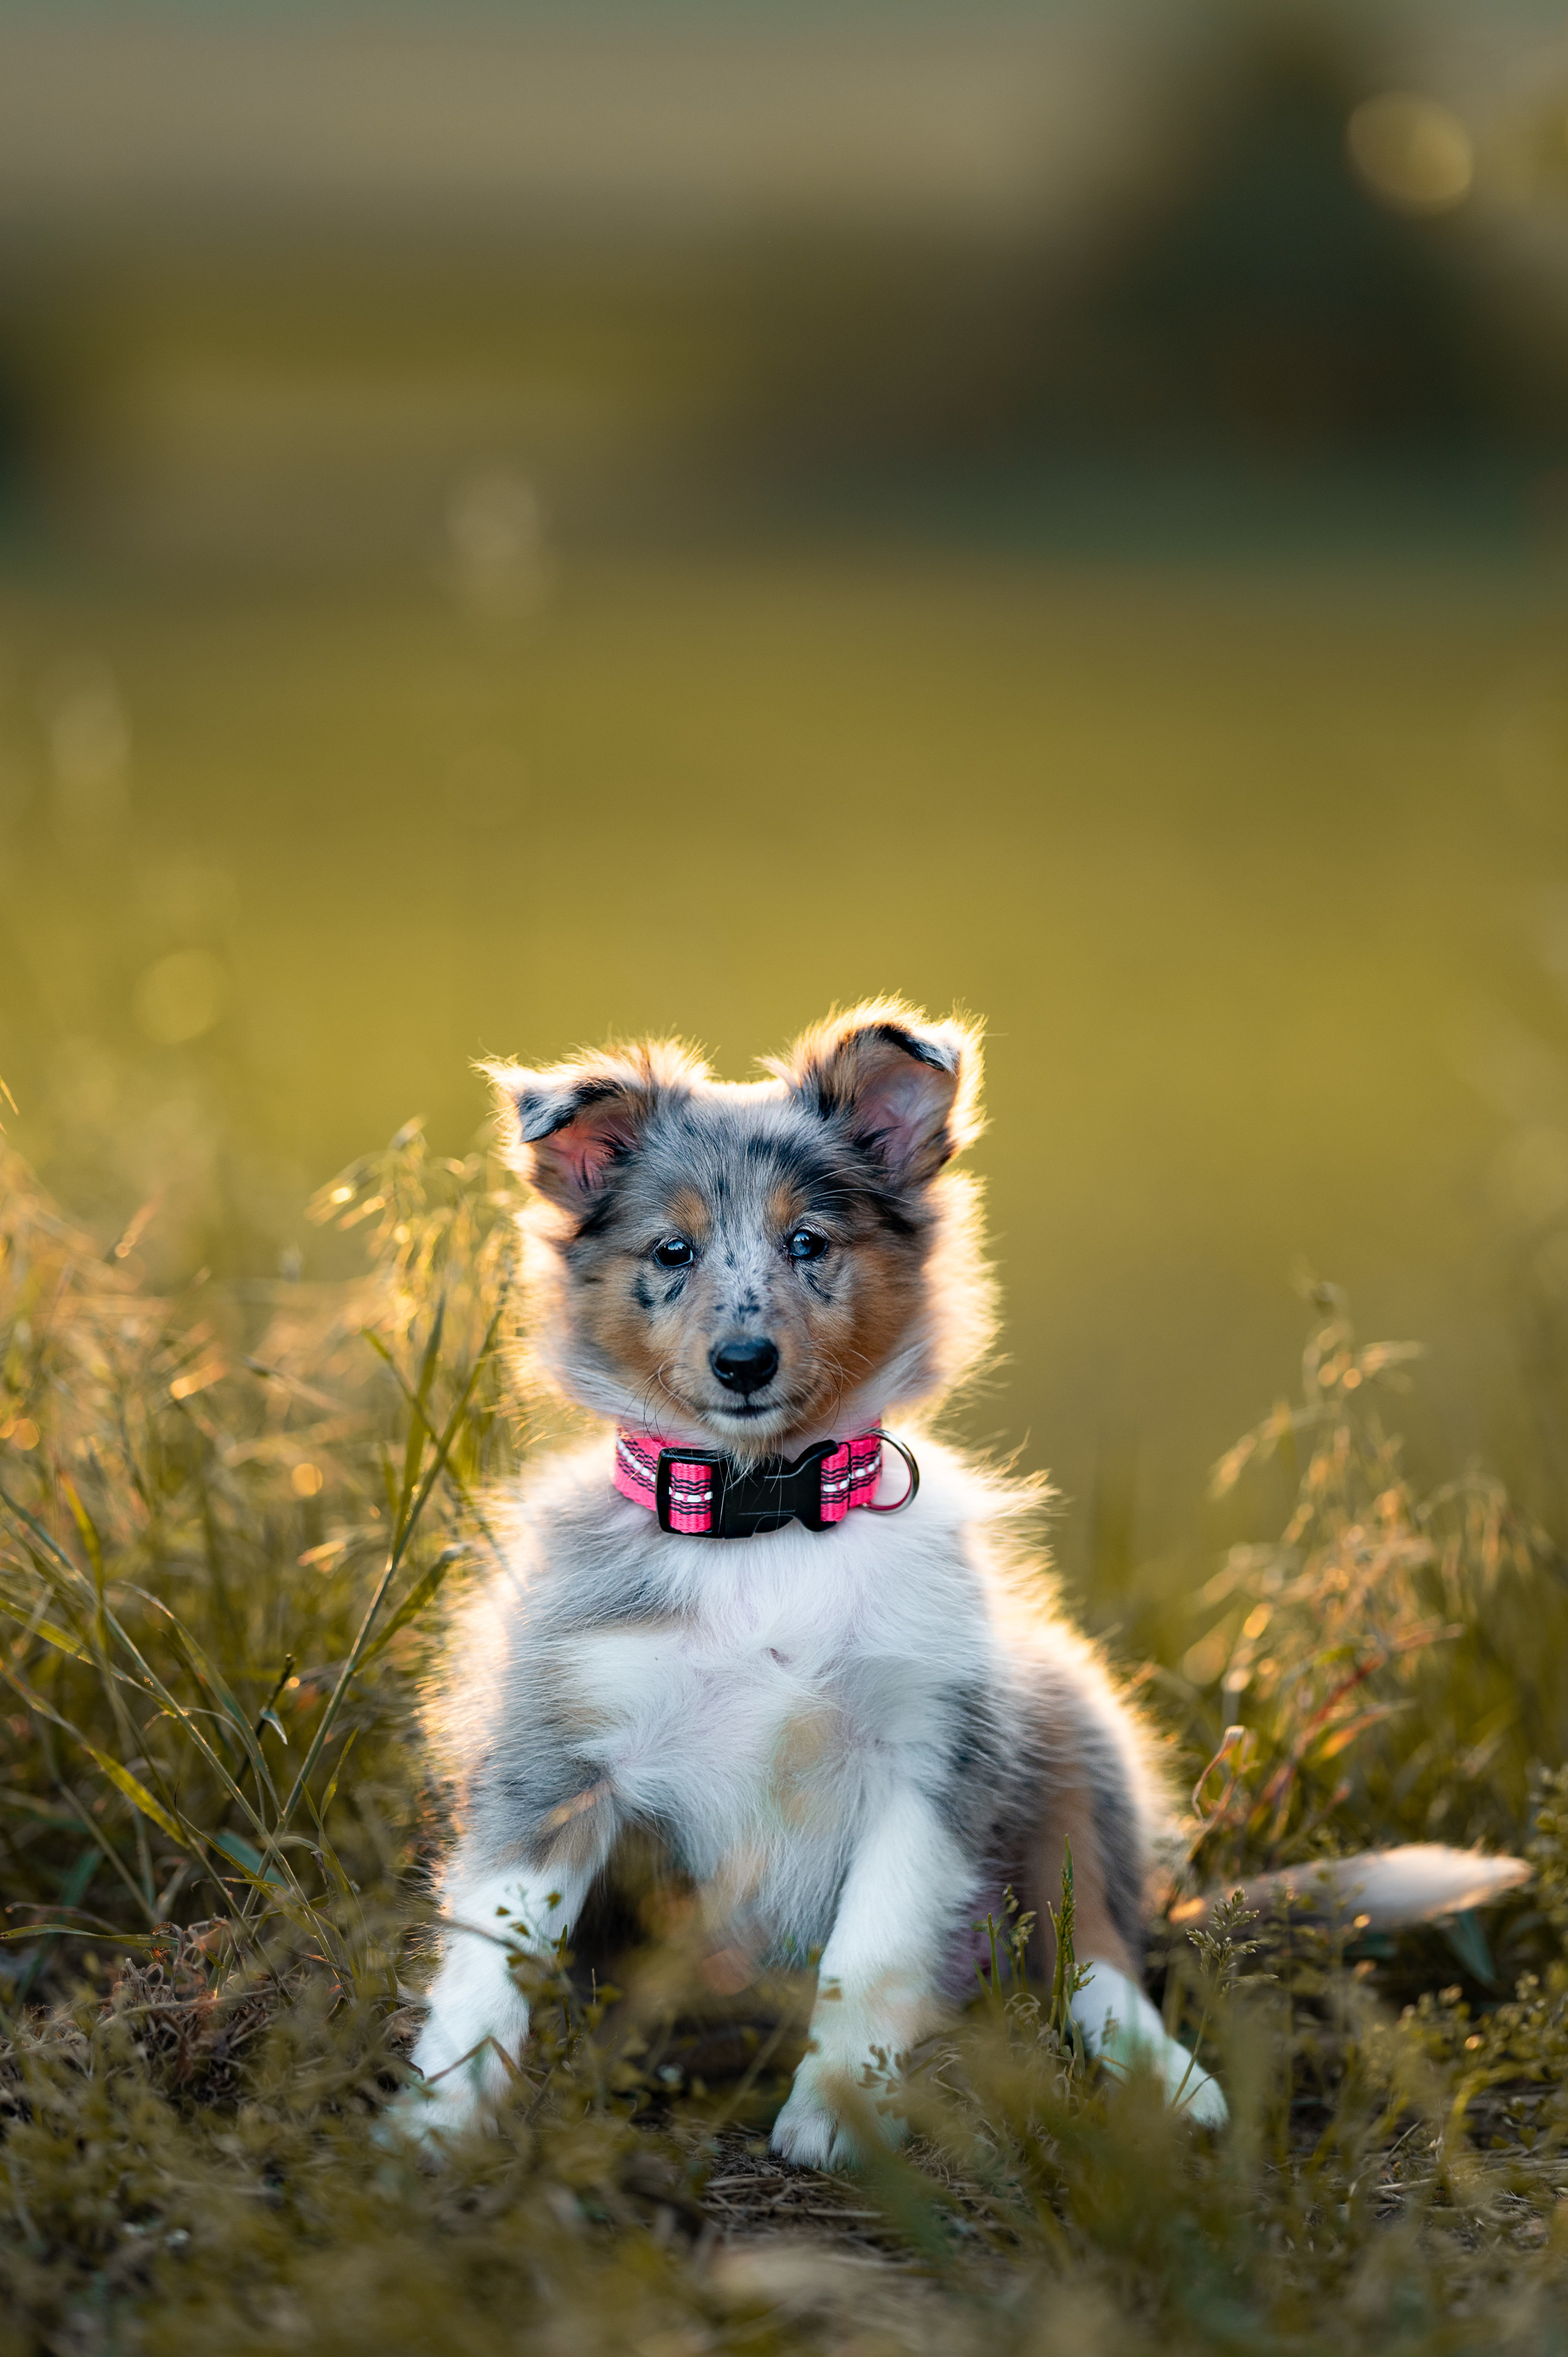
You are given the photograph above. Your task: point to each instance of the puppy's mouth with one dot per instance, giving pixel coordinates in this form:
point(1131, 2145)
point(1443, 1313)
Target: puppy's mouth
point(732, 1414)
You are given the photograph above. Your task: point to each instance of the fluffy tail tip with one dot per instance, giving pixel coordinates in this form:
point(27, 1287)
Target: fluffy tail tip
point(1417, 1883)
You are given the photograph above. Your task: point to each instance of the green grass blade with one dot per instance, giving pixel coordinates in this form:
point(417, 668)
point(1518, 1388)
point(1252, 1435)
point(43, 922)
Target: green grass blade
point(207, 1674)
point(38, 1532)
point(249, 1860)
point(61, 1638)
point(427, 1586)
point(136, 1792)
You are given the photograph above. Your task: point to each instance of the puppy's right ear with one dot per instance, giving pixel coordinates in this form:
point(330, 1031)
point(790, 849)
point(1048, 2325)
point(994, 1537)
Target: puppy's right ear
point(567, 1128)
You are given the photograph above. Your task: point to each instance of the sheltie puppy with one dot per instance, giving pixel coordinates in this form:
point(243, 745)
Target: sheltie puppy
point(764, 1617)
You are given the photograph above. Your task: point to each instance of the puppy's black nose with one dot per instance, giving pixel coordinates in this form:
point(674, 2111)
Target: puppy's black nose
point(744, 1366)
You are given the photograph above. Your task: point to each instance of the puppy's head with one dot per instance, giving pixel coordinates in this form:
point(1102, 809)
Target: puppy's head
point(759, 1265)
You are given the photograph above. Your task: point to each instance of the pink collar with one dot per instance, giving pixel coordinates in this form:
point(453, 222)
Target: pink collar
point(703, 1494)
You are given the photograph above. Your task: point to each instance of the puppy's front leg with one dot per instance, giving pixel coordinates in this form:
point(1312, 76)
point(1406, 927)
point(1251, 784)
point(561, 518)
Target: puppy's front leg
point(880, 1980)
point(477, 2020)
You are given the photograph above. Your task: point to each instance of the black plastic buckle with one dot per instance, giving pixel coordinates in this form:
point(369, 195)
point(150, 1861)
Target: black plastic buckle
point(749, 1499)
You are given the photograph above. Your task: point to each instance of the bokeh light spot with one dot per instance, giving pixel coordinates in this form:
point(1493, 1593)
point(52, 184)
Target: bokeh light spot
point(89, 735)
point(179, 997)
point(1413, 154)
point(306, 1480)
point(497, 551)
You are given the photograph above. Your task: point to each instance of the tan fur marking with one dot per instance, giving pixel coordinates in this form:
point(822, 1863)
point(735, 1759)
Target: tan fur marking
point(620, 1326)
point(783, 1209)
point(569, 1835)
point(886, 1297)
point(689, 1215)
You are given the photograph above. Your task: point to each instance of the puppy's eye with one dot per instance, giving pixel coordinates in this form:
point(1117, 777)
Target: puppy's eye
point(806, 1244)
point(675, 1251)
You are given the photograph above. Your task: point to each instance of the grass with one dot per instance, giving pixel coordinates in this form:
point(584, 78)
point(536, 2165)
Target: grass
point(232, 1520)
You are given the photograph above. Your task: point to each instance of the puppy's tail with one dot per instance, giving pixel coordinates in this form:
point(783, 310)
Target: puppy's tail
point(1378, 1891)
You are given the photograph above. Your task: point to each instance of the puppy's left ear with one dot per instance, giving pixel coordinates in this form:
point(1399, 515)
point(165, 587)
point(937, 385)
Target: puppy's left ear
point(908, 1089)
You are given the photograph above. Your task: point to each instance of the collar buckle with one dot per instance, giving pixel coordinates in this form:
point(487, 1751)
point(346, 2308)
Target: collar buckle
point(749, 1499)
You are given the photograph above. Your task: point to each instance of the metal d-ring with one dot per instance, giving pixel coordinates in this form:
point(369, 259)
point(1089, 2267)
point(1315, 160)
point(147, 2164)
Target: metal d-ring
point(911, 1492)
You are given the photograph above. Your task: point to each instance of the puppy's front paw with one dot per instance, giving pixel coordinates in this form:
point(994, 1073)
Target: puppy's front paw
point(449, 2100)
point(811, 2130)
point(424, 2119)
point(1124, 2029)
point(1201, 2097)
point(1189, 2089)
point(810, 2137)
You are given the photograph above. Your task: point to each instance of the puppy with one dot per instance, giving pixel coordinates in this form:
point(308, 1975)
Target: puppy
point(822, 1669)
point(817, 1664)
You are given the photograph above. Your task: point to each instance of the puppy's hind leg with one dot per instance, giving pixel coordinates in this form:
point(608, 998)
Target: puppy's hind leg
point(1098, 1820)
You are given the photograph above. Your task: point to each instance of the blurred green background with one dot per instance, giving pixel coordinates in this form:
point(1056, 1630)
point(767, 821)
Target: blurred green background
point(518, 526)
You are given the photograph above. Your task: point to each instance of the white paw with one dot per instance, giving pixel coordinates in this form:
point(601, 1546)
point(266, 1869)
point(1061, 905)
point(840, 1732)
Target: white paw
point(810, 2131)
point(450, 2099)
point(1190, 2088)
point(1124, 2029)
point(424, 2117)
point(811, 2137)
point(1202, 2099)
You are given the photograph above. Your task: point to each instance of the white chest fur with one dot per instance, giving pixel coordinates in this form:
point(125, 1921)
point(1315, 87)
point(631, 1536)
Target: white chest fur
point(763, 1718)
